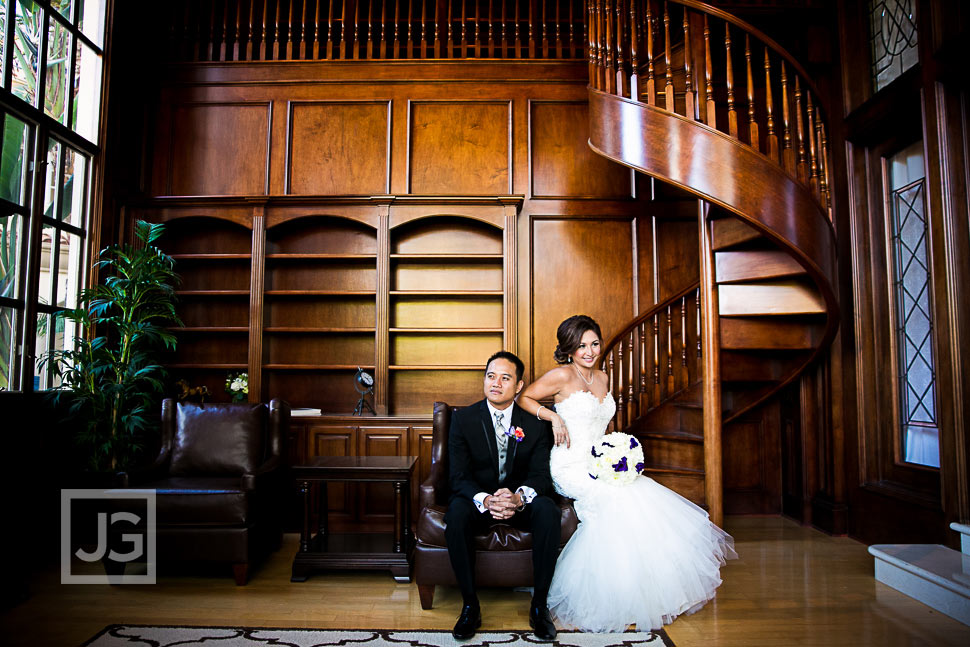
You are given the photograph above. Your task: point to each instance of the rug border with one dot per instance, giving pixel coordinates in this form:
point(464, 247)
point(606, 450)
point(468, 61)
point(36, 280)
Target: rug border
point(664, 638)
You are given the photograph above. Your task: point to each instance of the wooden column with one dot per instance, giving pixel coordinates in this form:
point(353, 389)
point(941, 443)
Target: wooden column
point(257, 267)
point(510, 276)
point(382, 314)
point(711, 337)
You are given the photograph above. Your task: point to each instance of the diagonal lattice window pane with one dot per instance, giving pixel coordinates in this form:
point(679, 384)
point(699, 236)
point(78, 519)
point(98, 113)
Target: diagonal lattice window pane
point(913, 308)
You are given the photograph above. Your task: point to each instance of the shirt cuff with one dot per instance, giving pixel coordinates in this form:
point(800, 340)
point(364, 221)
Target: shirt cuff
point(526, 493)
point(480, 501)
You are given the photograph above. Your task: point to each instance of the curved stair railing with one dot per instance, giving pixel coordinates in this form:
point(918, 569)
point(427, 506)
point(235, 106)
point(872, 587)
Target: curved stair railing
point(694, 97)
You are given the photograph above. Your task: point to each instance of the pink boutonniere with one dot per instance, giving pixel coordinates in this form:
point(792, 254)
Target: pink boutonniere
point(516, 433)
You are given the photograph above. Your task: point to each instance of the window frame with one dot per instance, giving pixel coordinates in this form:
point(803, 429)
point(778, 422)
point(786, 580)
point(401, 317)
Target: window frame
point(44, 129)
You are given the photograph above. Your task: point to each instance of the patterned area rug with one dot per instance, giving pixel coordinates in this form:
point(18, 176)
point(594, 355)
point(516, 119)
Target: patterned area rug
point(161, 636)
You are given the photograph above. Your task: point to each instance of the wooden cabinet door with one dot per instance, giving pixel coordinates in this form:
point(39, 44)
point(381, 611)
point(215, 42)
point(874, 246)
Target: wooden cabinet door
point(376, 502)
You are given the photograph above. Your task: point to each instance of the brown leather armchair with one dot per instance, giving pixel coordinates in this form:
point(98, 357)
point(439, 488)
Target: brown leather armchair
point(504, 554)
point(219, 482)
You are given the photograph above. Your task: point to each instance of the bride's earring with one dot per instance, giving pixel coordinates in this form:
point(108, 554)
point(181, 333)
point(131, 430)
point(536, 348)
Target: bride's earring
point(569, 360)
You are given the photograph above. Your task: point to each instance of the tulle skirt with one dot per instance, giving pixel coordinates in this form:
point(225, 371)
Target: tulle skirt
point(642, 555)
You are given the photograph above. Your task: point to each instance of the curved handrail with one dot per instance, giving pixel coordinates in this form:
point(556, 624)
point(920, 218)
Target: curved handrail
point(649, 314)
point(779, 114)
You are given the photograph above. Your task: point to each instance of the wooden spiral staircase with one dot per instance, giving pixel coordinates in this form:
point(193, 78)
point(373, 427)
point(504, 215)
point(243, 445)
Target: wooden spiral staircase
point(702, 101)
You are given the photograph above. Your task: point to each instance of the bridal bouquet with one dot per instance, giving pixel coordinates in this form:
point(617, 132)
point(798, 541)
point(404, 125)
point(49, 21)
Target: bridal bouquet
point(617, 458)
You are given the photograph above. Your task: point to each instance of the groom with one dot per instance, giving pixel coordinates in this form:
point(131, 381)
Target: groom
point(499, 473)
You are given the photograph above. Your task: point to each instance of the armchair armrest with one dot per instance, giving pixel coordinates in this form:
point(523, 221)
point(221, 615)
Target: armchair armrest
point(265, 473)
point(428, 490)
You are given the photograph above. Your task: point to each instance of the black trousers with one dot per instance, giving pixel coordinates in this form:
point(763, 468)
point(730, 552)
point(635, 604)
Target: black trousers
point(463, 521)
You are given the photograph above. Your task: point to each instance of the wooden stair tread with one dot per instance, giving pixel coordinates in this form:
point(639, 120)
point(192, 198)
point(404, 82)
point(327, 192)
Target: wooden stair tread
point(739, 333)
point(678, 435)
point(729, 232)
point(748, 265)
point(671, 469)
point(776, 298)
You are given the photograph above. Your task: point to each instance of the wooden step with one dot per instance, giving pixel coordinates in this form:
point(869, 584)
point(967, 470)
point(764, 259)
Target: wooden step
point(775, 298)
point(730, 231)
point(687, 484)
point(747, 265)
point(684, 452)
point(751, 366)
point(768, 334)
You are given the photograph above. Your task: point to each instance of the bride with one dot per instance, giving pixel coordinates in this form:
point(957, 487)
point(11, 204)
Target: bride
point(642, 554)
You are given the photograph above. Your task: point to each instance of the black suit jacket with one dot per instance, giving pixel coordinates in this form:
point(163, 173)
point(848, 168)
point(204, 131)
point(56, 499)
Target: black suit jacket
point(473, 453)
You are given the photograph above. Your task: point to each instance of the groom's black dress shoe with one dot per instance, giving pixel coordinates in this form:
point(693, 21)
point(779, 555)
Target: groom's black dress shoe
point(540, 621)
point(469, 620)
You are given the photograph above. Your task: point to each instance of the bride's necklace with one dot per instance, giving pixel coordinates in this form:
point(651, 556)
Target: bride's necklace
point(588, 382)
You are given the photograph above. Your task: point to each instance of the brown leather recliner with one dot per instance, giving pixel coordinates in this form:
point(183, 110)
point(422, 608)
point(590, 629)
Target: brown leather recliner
point(219, 482)
point(504, 554)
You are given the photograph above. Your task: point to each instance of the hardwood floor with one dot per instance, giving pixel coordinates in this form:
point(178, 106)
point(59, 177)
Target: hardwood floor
point(791, 586)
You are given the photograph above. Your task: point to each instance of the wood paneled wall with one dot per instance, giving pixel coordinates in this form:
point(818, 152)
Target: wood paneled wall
point(331, 129)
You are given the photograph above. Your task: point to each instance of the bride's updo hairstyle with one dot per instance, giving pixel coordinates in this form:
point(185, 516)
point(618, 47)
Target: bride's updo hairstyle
point(570, 333)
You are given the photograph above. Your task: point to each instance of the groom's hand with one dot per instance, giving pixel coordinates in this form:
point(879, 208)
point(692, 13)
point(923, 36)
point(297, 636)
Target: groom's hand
point(503, 504)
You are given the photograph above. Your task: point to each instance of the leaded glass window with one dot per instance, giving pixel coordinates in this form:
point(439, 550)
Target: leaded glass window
point(893, 37)
point(913, 308)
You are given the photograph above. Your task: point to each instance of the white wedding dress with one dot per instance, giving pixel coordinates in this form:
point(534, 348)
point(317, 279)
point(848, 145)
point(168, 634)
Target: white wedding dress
point(642, 554)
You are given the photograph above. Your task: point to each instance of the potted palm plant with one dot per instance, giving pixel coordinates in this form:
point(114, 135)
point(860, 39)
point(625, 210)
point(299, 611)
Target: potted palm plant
point(110, 374)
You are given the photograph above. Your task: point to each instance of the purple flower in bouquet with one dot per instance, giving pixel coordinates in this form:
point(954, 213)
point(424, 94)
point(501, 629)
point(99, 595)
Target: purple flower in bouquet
point(610, 459)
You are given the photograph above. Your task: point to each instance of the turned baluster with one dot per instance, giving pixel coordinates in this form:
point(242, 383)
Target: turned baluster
point(491, 34)
point(315, 33)
point(643, 364)
point(651, 78)
point(503, 43)
point(543, 28)
point(732, 113)
point(709, 106)
point(619, 64)
point(611, 380)
point(810, 133)
point(600, 47)
point(787, 152)
point(800, 134)
point(772, 137)
point(558, 23)
point(620, 392)
point(608, 47)
point(531, 35)
point(824, 154)
point(283, 42)
point(690, 101)
point(295, 34)
point(229, 42)
point(697, 331)
point(670, 352)
point(656, 358)
point(822, 187)
point(269, 33)
point(215, 35)
point(631, 390)
point(752, 123)
point(685, 377)
point(669, 85)
point(243, 41)
point(634, 60)
point(476, 39)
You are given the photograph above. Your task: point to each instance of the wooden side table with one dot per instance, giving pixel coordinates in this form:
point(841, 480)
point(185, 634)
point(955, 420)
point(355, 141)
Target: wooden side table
point(353, 551)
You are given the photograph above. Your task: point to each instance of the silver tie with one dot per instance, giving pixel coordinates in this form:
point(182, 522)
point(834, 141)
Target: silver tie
point(503, 444)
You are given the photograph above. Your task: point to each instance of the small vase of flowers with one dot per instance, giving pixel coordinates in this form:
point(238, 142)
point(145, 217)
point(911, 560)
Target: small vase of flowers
point(237, 386)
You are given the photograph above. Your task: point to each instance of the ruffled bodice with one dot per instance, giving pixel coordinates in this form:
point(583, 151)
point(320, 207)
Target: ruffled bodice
point(586, 420)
